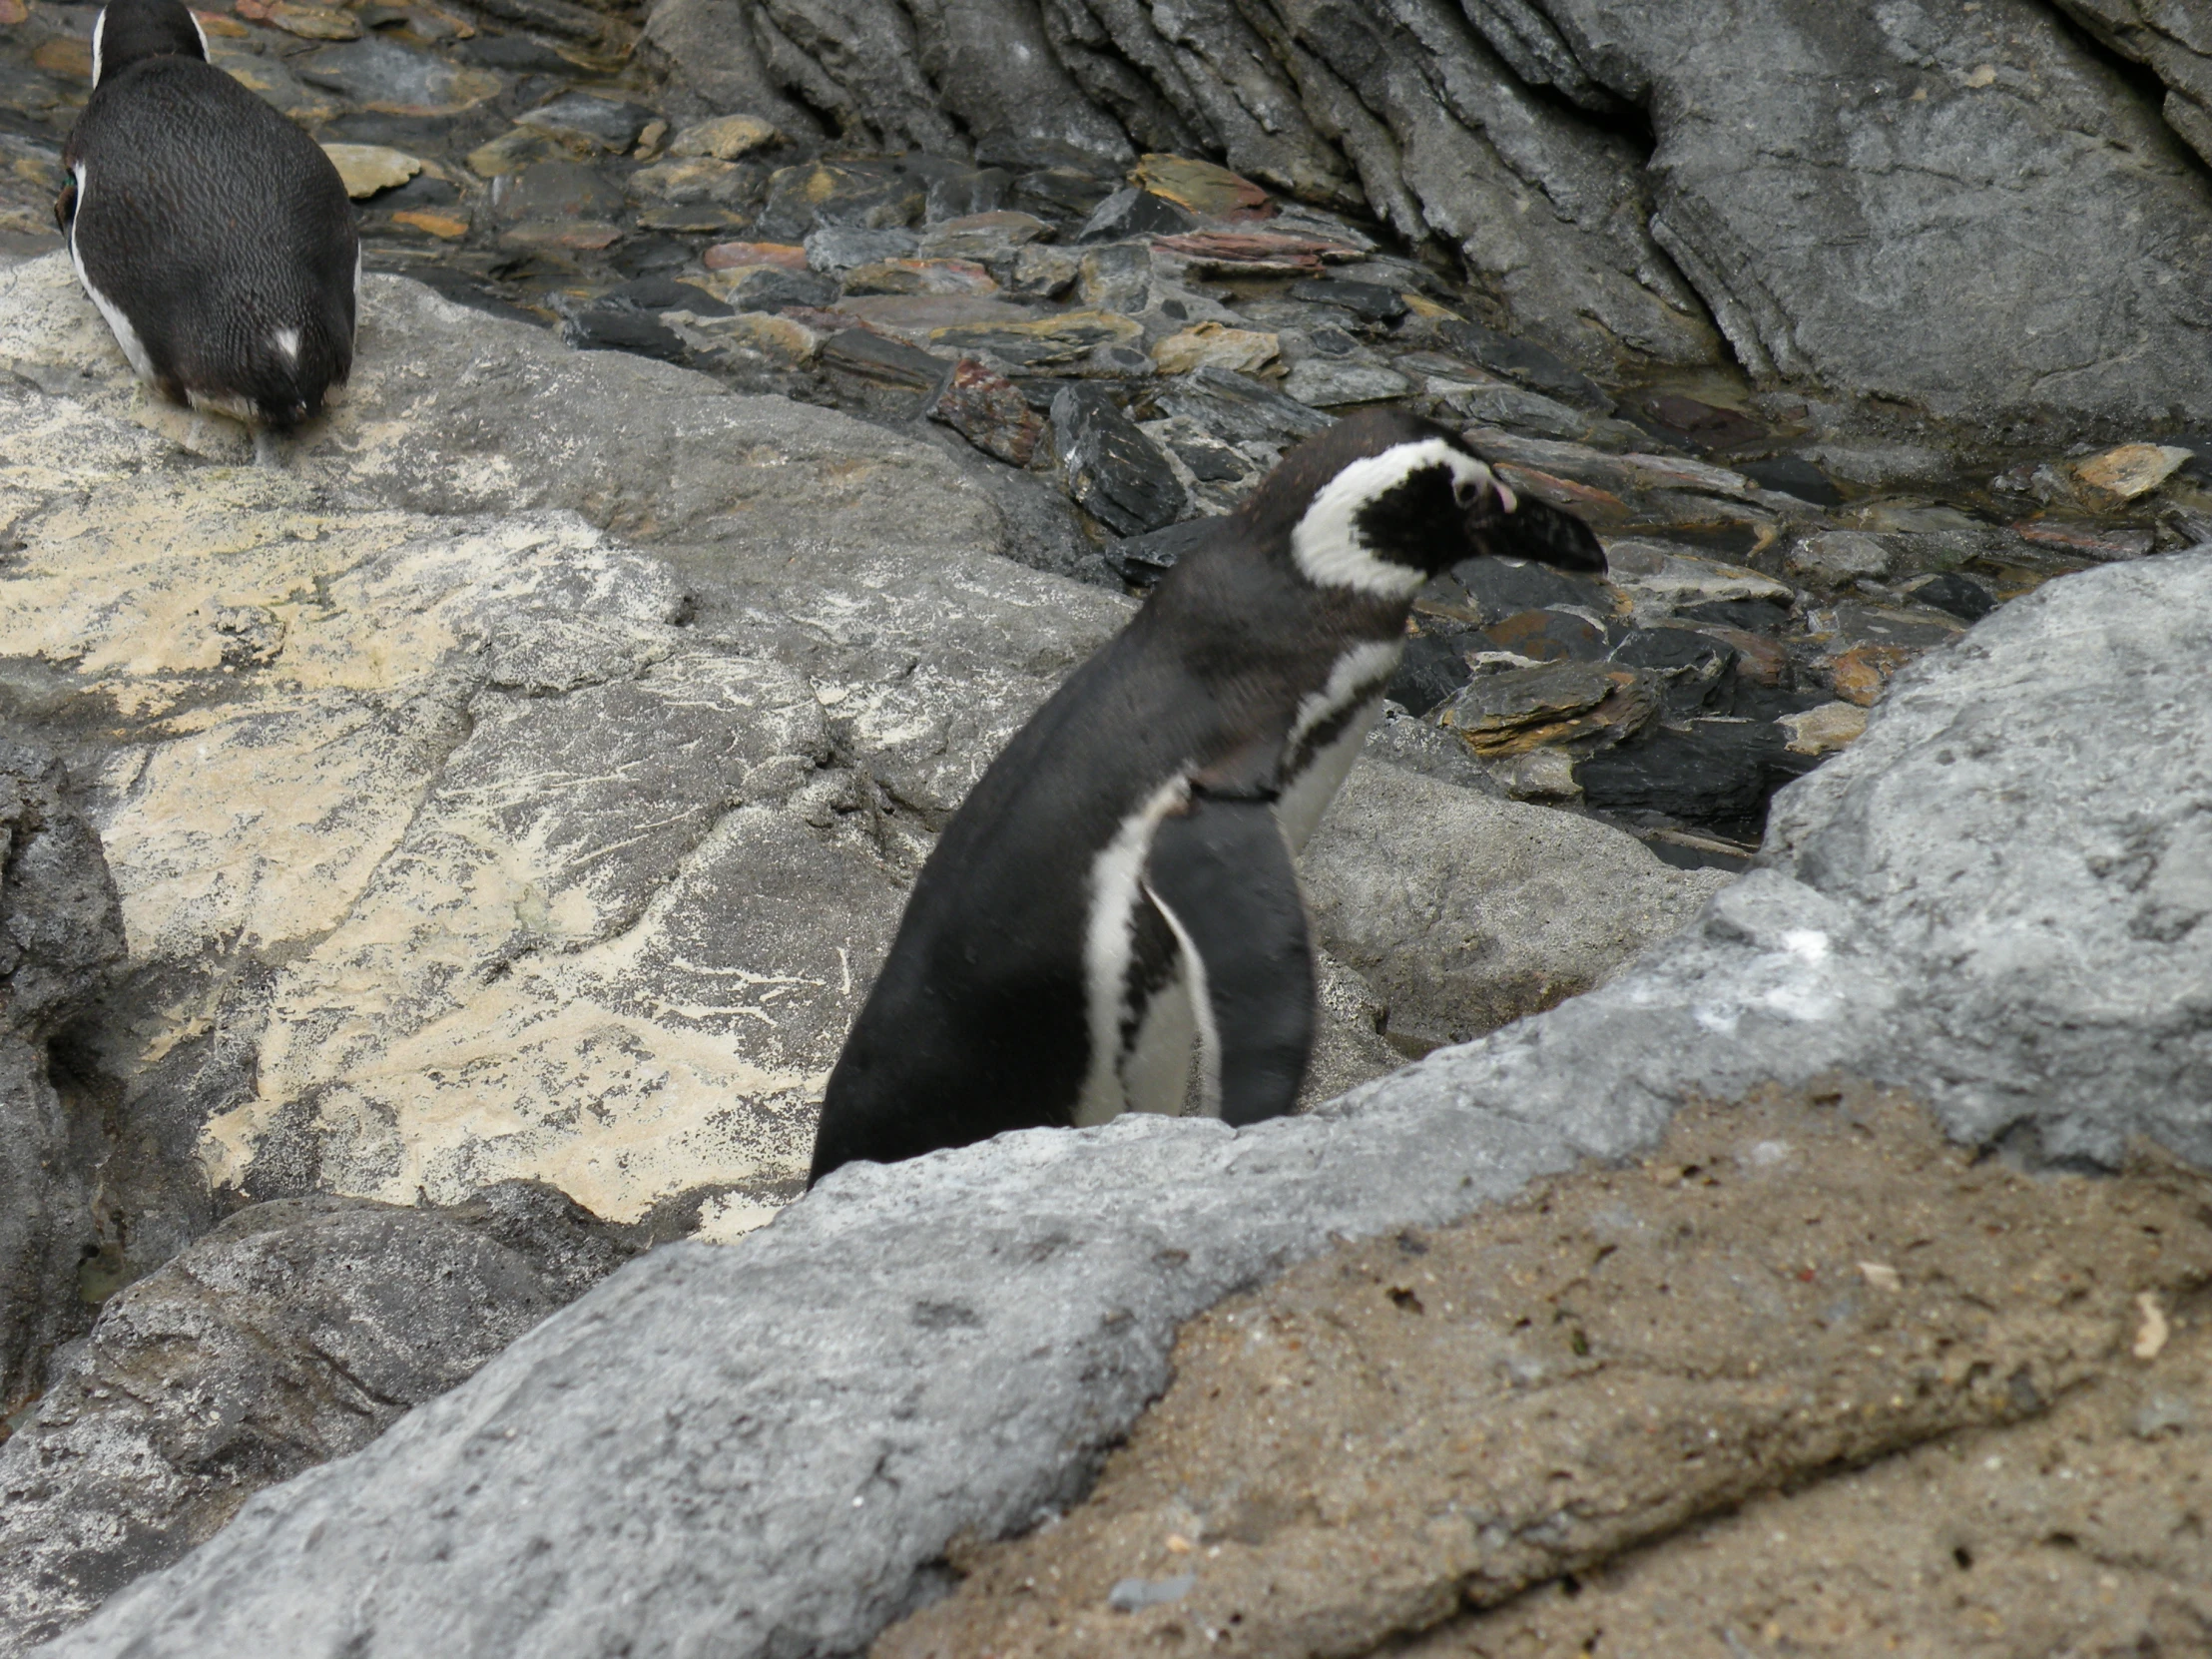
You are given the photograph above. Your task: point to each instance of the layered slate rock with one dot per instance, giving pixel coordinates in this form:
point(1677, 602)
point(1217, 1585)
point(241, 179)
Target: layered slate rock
point(60, 934)
point(1902, 202)
point(2015, 836)
point(294, 1333)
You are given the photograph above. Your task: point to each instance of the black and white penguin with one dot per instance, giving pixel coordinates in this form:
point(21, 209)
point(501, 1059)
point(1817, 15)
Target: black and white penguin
point(1118, 883)
point(214, 235)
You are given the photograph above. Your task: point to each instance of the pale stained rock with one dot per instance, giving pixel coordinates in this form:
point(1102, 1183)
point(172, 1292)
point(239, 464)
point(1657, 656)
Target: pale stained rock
point(1212, 345)
point(2132, 469)
point(370, 168)
point(1822, 731)
point(725, 138)
point(460, 783)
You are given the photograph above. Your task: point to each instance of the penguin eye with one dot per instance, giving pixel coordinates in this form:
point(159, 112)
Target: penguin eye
point(1464, 490)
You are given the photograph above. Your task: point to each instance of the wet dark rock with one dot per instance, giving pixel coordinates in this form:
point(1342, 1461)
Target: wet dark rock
point(607, 123)
point(1525, 361)
point(1755, 615)
point(1547, 636)
point(1793, 475)
point(1063, 193)
point(1114, 472)
point(1143, 560)
point(1694, 668)
point(768, 288)
point(1333, 382)
point(1573, 705)
point(1518, 409)
point(1134, 212)
point(559, 196)
point(1237, 408)
point(1365, 300)
point(1499, 590)
point(664, 294)
point(884, 376)
point(382, 74)
point(872, 197)
point(1210, 463)
point(1051, 344)
point(1714, 772)
point(1698, 426)
point(581, 24)
point(61, 931)
point(624, 329)
point(516, 54)
point(836, 247)
point(989, 411)
point(1959, 596)
point(1433, 669)
point(294, 1333)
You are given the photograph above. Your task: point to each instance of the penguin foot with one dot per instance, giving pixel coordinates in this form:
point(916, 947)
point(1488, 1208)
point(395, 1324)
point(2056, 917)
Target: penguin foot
point(268, 449)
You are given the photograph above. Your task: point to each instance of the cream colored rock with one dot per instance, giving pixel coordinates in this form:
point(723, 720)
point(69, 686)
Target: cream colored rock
point(2132, 469)
point(370, 168)
point(1829, 726)
point(725, 138)
point(1211, 345)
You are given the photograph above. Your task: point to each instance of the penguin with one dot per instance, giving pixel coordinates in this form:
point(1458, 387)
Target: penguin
point(213, 234)
point(1118, 886)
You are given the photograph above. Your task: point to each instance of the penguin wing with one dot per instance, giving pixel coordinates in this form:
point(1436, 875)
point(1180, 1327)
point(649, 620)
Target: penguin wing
point(1221, 875)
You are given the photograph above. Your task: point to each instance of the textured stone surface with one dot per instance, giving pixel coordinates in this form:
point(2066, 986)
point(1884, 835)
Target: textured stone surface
point(427, 827)
point(1993, 894)
point(1785, 1290)
point(60, 934)
point(294, 1333)
point(1465, 913)
point(1910, 217)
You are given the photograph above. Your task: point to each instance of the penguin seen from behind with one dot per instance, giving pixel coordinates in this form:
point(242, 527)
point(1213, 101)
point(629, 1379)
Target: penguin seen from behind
point(213, 234)
point(1119, 885)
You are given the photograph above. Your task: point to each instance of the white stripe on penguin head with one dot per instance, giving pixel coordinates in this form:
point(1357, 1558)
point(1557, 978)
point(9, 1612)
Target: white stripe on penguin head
point(99, 34)
point(1327, 544)
point(205, 52)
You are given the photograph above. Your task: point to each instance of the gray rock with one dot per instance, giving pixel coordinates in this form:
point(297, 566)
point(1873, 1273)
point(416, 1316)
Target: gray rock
point(1996, 896)
point(840, 248)
point(1464, 912)
point(1114, 472)
point(2174, 38)
point(1331, 382)
point(61, 931)
point(294, 1333)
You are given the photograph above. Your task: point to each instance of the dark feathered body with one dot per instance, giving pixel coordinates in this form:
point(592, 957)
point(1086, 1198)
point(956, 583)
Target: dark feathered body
point(1107, 871)
point(214, 233)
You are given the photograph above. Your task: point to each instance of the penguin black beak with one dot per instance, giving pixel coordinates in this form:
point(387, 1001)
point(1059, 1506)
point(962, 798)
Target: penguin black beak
point(1533, 530)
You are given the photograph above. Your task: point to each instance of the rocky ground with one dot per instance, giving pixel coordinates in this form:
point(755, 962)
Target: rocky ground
point(439, 870)
point(1387, 1450)
point(1116, 349)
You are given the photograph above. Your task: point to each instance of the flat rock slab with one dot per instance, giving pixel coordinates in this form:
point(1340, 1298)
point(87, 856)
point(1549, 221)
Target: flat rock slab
point(1781, 1293)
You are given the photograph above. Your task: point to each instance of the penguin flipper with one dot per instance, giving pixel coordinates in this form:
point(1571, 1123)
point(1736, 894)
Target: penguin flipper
point(1221, 875)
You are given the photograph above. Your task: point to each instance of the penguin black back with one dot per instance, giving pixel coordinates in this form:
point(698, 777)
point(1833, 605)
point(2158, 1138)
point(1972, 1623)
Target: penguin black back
point(1119, 883)
point(214, 235)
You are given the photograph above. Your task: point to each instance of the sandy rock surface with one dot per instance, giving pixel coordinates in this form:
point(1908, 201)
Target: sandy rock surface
point(1779, 1296)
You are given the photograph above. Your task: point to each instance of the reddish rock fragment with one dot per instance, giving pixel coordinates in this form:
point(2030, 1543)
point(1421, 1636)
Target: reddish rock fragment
point(989, 411)
point(728, 256)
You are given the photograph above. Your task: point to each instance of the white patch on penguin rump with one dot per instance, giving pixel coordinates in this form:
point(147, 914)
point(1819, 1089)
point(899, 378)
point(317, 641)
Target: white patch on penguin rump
point(1109, 940)
point(287, 342)
point(134, 349)
point(1326, 545)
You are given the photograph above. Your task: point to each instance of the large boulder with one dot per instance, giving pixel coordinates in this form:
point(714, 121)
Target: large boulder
point(60, 934)
point(1996, 897)
point(1980, 213)
point(294, 1333)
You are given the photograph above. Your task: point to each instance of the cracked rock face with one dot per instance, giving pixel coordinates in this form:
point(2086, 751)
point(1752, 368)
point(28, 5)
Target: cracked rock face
point(1977, 212)
point(294, 1333)
point(60, 934)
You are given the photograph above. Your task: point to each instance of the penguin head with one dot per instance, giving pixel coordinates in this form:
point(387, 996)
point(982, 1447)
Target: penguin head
point(1384, 500)
point(128, 30)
